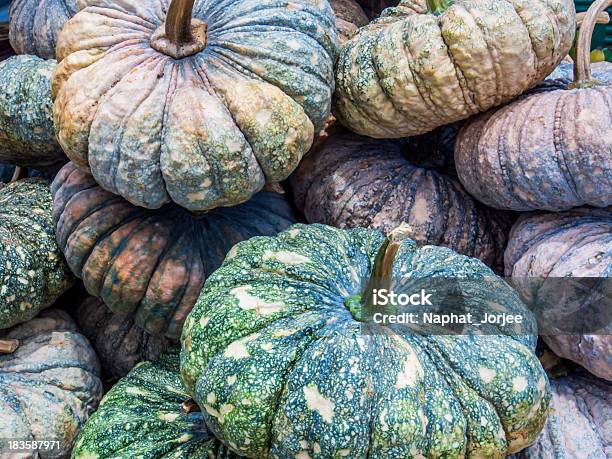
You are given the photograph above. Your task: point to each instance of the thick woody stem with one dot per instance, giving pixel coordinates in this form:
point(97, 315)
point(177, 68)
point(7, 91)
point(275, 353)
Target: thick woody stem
point(20, 172)
point(8, 346)
point(178, 22)
point(582, 67)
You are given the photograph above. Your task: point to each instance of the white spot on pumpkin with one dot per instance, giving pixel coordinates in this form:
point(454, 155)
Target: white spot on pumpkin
point(204, 321)
point(294, 44)
point(185, 438)
point(211, 398)
point(232, 253)
point(226, 409)
point(542, 384)
point(169, 417)
point(316, 448)
point(136, 391)
point(344, 452)
point(249, 302)
point(411, 372)
point(303, 444)
point(293, 232)
point(231, 380)
point(236, 350)
point(283, 333)
point(303, 455)
point(519, 384)
point(286, 257)
point(317, 402)
point(486, 374)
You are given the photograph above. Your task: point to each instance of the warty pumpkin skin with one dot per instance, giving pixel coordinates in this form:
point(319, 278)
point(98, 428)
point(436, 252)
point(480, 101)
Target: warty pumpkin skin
point(151, 263)
point(354, 181)
point(35, 24)
point(50, 385)
point(33, 272)
point(426, 63)
point(27, 137)
point(579, 424)
point(118, 341)
point(572, 244)
point(142, 416)
point(281, 368)
point(237, 107)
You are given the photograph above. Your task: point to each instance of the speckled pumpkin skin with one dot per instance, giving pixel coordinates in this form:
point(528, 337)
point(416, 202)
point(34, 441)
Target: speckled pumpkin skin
point(577, 243)
point(27, 137)
point(281, 369)
point(411, 71)
point(579, 425)
point(118, 341)
point(349, 17)
point(33, 272)
point(205, 131)
point(151, 263)
point(354, 181)
point(35, 24)
point(550, 150)
point(141, 417)
point(50, 385)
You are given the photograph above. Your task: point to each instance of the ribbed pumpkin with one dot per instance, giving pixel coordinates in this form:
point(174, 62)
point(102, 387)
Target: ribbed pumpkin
point(427, 63)
point(143, 416)
point(151, 263)
point(353, 181)
point(202, 111)
point(35, 24)
point(118, 341)
point(572, 244)
point(551, 150)
point(349, 17)
point(579, 425)
point(33, 272)
point(49, 386)
point(27, 137)
point(275, 355)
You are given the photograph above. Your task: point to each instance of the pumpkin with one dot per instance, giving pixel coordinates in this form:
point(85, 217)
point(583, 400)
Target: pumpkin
point(151, 263)
point(33, 272)
point(200, 106)
point(27, 137)
point(49, 385)
point(35, 24)
point(600, 71)
point(275, 355)
point(544, 250)
point(551, 150)
point(354, 181)
point(143, 415)
point(426, 63)
point(349, 17)
point(119, 342)
point(579, 425)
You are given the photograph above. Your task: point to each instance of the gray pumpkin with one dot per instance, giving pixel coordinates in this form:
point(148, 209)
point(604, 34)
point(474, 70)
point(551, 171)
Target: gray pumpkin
point(544, 248)
point(34, 25)
point(50, 385)
point(579, 424)
point(118, 341)
point(353, 181)
point(27, 136)
point(33, 272)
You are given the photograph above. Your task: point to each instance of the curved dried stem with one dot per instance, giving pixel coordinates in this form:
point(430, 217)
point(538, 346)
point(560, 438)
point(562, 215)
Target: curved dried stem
point(582, 68)
point(178, 22)
point(20, 172)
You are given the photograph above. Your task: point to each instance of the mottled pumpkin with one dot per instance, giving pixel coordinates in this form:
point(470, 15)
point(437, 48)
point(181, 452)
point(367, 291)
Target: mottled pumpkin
point(50, 385)
point(579, 424)
point(551, 150)
point(201, 111)
point(35, 24)
point(27, 137)
point(275, 355)
point(349, 17)
point(151, 263)
point(118, 341)
point(33, 272)
point(426, 63)
point(572, 244)
point(354, 181)
point(142, 416)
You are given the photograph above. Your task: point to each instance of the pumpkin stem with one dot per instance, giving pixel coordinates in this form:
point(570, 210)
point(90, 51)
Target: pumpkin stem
point(182, 35)
point(8, 346)
point(178, 22)
point(582, 66)
point(189, 406)
point(381, 277)
point(438, 6)
point(20, 172)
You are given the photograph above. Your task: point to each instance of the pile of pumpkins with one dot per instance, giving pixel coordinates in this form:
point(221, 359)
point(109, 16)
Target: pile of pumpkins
point(199, 197)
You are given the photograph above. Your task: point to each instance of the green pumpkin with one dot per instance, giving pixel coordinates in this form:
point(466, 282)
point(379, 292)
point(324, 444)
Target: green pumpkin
point(275, 356)
point(27, 136)
point(33, 272)
point(201, 109)
point(142, 416)
point(50, 385)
